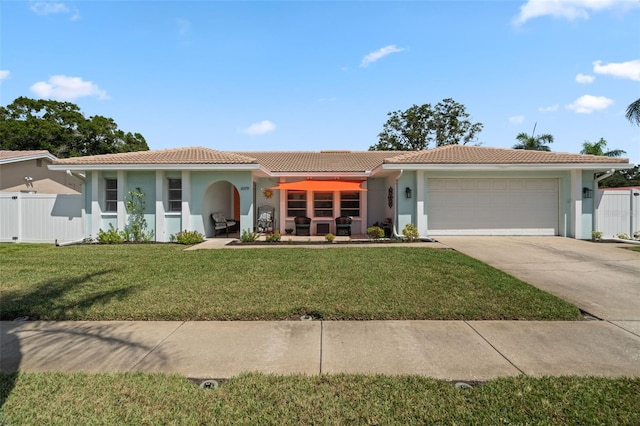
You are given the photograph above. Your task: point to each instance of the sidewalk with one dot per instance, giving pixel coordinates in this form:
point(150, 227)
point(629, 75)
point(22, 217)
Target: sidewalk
point(454, 350)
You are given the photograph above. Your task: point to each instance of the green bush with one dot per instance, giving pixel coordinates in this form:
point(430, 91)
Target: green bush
point(111, 236)
point(410, 232)
point(187, 237)
point(248, 236)
point(273, 237)
point(596, 235)
point(136, 229)
point(375, 232)
point(329, 237)
point(623, 236)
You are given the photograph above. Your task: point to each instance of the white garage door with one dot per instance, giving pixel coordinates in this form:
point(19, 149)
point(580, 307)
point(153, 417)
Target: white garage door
point(492, 206)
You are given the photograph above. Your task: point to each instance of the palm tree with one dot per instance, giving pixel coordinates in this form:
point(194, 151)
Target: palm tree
point(598, 148)
point(531, 143)
point(633, 112)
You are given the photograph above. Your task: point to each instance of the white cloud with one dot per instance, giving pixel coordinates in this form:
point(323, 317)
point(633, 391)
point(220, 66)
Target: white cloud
point(587, 104)
point(584, 78)
point(550, 108)
point(65, 88)
point(379, 54)
point(517, 119)
point(569, 9)
point(4, 74)
point(261, 128)
point(50, 8)
point(629, 69)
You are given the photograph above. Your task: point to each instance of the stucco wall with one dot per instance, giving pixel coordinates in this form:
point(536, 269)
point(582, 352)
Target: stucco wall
point(43, 180)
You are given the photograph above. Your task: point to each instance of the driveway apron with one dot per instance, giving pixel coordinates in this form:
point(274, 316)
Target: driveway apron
point(602, 279)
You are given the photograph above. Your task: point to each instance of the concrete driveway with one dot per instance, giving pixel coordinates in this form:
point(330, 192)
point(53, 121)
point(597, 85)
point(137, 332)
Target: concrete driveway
point(602, 279)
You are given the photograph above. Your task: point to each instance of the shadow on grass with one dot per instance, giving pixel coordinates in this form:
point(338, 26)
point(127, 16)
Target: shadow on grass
point(76, 346)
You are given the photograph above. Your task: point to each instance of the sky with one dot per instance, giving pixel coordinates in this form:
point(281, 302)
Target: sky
point(322, 75)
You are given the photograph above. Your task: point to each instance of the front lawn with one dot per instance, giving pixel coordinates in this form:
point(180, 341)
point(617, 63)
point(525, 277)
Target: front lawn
point(163, 282)
point(137, 399)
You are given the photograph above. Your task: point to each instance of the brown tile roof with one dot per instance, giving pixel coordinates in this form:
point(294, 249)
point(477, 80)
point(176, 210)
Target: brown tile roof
point(461, 154)
point(193, 155)
point(8, 155)
point(322, 161)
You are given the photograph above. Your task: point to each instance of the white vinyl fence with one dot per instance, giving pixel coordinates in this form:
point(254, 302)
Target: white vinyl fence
point(618, 212)
point(39, 218)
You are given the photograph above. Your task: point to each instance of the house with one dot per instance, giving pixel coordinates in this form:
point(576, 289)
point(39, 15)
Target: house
point(451, 190)
point(27, 172)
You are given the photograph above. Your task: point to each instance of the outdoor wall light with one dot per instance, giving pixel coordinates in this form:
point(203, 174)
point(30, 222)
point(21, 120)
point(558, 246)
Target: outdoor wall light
point(407, 192)
point(587, 193)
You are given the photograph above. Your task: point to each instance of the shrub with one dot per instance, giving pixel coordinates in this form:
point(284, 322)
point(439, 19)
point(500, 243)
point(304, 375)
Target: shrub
point(248, 236)
point(273, 237)
point(329, 237)
point(375, 232)
point(636, 235)
point(623, 236)
point(110, 236)
point(596, 235)
point(136, 229)
point(410, 232)
point(187, 237)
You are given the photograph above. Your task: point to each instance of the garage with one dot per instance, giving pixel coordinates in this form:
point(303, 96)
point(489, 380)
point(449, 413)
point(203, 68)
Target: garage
point(492, 206)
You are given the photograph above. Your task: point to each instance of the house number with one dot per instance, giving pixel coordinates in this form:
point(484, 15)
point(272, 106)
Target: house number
point(244, 188)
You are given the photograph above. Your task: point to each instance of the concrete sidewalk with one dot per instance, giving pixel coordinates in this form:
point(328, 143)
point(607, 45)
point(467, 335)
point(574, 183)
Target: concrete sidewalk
point(454, 350)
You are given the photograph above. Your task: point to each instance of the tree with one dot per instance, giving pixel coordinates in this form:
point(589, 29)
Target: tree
point(420, 126)
point(60, 128)
point(629, 177)
point(531, 143)
point(633, 112)
point(598, 148)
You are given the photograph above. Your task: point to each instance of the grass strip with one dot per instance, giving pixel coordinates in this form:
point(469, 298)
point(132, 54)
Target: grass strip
point(144, 399)
point(163, 282)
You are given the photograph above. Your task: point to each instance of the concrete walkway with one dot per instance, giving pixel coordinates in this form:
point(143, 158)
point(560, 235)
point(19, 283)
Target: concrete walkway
point(454, 350)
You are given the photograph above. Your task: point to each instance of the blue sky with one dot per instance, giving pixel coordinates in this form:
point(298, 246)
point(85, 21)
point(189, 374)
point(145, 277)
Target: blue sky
point(276, 75)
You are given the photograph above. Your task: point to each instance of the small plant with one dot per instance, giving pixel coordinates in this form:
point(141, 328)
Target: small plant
point(623, 236)
point(596, 236)
point(375, 232)
point(636, 235)
point(110, 236)
point(136, 229)
point(329, 237)
point(410, 232)
point(248, 236)
point(273, 237)
point(187, 237)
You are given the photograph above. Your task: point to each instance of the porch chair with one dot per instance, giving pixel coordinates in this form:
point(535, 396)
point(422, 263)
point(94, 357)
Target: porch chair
point(303, 225)
point(266, 220)
point(220, 224)
point(343, 225)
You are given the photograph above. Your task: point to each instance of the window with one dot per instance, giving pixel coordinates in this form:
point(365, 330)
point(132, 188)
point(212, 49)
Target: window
point(323, 204)
point(296, 203)
point(350, 203)
point(175, 195)
point(111, 195)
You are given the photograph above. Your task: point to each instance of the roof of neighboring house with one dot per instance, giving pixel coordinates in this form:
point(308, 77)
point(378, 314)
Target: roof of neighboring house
point(461, 154)
point(192, 155)
point(14, 156)
point(322, 161)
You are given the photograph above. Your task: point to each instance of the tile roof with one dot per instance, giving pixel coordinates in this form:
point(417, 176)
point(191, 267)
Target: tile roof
point(461, 154)
point(192, 155)
point(322, 161)
point(9, 155)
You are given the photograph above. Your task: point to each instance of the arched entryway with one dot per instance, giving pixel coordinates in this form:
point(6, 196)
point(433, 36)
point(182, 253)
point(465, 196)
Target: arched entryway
point(223, 197)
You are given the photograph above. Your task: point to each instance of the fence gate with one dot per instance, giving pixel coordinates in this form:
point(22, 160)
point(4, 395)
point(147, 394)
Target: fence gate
point(618, 212)
point(40, 218)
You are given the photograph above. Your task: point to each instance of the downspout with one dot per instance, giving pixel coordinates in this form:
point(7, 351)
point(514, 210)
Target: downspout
point(395, 207)
point(596, 192)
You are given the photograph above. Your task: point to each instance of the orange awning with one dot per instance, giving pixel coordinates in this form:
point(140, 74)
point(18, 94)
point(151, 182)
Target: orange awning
point(321, 185)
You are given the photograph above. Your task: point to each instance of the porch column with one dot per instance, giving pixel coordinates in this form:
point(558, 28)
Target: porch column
point(421, 223)
point(96, 212)
point(282, 200)
point(575, 230)
point(122, 211)
point(186, 200)
point(363, 208)
point(160, 229)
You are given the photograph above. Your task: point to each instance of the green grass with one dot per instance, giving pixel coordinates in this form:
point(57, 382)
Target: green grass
point(163, 282)
point(634, 248)
point(143, 399)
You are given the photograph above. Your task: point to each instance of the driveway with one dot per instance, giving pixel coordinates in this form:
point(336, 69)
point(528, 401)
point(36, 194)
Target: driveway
point(602, 279)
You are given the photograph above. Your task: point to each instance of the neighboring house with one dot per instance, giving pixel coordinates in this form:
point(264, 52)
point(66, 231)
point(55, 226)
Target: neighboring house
point(28, 172)
point(451, 190)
